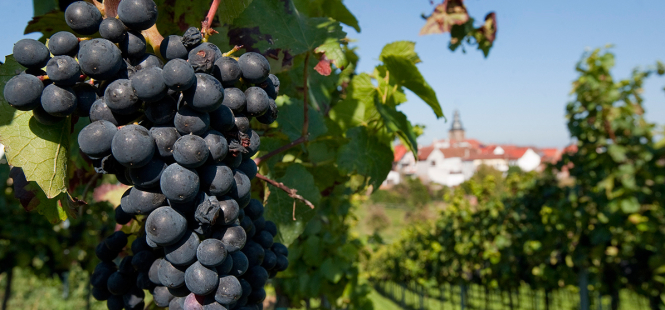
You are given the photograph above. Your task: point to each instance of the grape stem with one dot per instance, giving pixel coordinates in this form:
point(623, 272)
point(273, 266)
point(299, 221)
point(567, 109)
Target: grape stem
point(111, 7)
point(206, 24)
point(293, 193)
point(300, 140)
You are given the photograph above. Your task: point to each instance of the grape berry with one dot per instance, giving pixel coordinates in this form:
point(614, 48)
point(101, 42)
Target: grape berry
point(180, 133)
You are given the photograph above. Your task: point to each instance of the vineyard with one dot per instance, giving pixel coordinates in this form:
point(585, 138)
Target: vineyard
point(592, 224)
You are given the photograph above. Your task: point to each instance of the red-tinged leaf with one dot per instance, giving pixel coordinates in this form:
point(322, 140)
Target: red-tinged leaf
point(323, 67)
point(445, 16)
point(33, 198)
point(109, 192)
point(489, 29)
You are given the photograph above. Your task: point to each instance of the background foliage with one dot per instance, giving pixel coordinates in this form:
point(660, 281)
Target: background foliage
point(603, 226)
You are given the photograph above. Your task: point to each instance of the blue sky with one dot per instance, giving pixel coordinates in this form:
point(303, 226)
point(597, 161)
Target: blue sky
point(516, 95)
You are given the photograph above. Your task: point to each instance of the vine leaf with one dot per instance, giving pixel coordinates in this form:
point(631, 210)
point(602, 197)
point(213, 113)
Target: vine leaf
point(41, 150)
point(291, 118)
point(445, 16)
point(366, 156)
point(191, 11)
point(405, 73)
point(279, 25)
point(33, 198)
point(336, 10)
point(279, 208)
point(332, 53)
point(358, 108)
point(230, 9)
point(406, 49)
point(47, 24)
point(397, 122)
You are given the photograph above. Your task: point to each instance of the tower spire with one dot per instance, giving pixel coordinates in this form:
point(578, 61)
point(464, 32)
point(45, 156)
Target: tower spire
point(456, 131)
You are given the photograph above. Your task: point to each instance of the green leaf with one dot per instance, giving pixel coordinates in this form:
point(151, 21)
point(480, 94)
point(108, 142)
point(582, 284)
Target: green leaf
point(334, 52)
point(630, 205)
point(336, 10)
point(279, 208)
point(333, 269)
point(291, 118)
point(313, 251)
point(617, 152)
point(41, 150)
point(358, 108)
point(230, 9)
point(404, 72)
point(33, 198)
point(279, 25)
point(406, 49)
point(192, 11)
point(47, 24)
point(41, 7)
point(397, 122)
point(366, 156)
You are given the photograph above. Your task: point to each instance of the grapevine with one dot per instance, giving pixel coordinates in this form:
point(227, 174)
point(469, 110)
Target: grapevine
point(179, 133)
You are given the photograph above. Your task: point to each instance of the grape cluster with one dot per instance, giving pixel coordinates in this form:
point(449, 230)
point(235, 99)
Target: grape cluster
point(179, 133)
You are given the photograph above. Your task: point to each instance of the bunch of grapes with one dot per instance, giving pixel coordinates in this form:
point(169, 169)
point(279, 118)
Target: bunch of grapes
point(179, 133)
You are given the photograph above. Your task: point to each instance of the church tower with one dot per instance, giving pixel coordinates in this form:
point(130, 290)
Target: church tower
point(456, 131)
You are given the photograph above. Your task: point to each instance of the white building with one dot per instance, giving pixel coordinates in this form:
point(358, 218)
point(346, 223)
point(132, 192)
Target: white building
point(454, 160)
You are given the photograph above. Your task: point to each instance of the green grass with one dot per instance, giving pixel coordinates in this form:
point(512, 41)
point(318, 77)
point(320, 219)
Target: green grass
point(382, 303)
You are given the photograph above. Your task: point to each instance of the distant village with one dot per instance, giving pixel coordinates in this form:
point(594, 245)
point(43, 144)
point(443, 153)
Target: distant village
point(452, 161)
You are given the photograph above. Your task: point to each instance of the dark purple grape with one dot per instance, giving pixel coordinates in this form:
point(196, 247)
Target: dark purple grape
point(206, 95)
point(113, 30)
point(235, 99)
point(222, 119)
point(132, 146)
point(86, 95)
point(138, 15)
point(189, 121)
point(99, 59)
point(211, 252)
point(179, 184)
point(255, 68)
point(95, 139)
point(120, 96)
point(165, 226)
point(173, 48)
point(23, 92)
point(183, 252)
point(179, 75)
point(63, 43)
point(200, 279)
point(164, 138)
point(31, 53)
point(149, 84)
point(162, 111)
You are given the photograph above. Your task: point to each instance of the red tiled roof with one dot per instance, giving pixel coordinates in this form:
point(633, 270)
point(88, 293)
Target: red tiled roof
point(550, 155)
point(485, 156)
point(424, 152)
point(515, 153)
point(462, 152)
point(400, 151)
point(474, 143)
point(572, 148)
